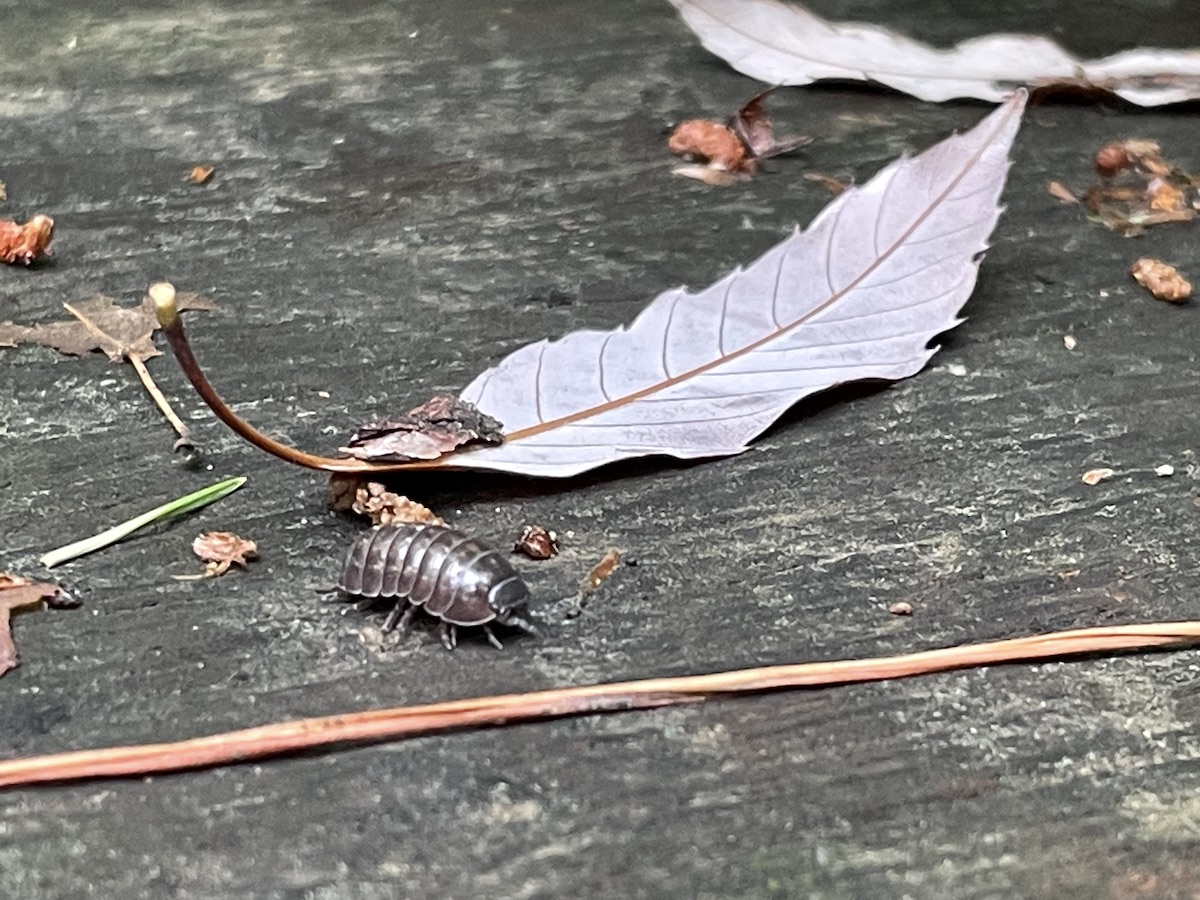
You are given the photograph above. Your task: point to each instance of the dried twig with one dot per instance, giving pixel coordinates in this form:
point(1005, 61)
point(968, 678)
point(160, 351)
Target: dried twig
point(389, 724)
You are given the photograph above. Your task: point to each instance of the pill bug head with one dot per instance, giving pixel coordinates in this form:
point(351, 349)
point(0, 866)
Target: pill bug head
point(509, 600)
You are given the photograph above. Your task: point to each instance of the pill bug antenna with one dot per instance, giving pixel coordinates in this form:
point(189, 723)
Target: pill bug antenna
point(165, 308)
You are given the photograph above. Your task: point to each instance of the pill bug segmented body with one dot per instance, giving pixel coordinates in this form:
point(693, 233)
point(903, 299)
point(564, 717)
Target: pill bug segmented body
point(458, 579)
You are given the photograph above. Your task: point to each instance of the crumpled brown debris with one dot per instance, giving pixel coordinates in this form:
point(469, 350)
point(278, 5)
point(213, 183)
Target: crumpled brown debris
point(1162, 280)
point(384, 507)
point(220, 550)
point(26, 244)
point(436, 427)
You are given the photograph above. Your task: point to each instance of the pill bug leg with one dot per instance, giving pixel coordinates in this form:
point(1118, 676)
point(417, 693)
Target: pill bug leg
point(400, 618)
point(448, 634)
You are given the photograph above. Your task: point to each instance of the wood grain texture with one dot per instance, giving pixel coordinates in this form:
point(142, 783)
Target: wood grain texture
point(403, 194)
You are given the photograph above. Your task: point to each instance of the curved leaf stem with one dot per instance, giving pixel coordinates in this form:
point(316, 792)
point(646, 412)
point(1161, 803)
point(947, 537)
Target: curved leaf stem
point(163, 295)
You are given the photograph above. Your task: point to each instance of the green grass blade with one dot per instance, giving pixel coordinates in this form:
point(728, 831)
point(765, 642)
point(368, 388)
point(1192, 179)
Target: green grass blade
point(183, 505)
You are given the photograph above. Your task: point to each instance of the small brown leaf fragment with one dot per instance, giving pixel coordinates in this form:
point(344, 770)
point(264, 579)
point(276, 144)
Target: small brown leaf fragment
point(537, 543)
point(831, 183)
point(901, 608)
point(1061, 192)
point(600, 572)
point(1093, 477)
point(436, 427)
point(383, 507)
point(201, 174)
point(220, 550)
point(26, 244)
point(16, 594)
point(1162, 280)
point(754, 127)
point(711, 142)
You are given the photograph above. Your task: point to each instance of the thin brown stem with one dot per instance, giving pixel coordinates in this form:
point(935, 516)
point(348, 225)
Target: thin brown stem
point(390, 724)
point(163, 295)
point(160, 400)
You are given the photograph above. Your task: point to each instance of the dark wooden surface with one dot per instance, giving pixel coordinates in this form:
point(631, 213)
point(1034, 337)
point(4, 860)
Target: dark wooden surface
point(399, 190)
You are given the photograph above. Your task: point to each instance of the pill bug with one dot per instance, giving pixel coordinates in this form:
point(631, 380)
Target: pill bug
point(458, 579)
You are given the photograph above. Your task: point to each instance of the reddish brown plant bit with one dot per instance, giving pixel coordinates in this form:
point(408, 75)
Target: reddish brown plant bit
point(1113, 158)
point(383, 507)
point(537, 543)
point(1163, 281)
point(601, 572)
point(712, 142)
point(1093, 477)
point(201, 174)
point(16, 594)
point(220, 550)
point(831, 183)
point(441, 424)
point(26, 244)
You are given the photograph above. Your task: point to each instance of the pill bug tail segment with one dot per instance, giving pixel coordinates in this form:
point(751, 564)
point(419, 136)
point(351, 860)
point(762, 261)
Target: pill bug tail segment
point(163, 295)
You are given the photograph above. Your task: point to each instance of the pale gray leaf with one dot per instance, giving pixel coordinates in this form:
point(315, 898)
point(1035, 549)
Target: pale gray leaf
point(781, 43)
point(859, 294)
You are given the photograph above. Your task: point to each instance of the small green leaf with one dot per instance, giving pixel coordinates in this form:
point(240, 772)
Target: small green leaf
point(191, 502)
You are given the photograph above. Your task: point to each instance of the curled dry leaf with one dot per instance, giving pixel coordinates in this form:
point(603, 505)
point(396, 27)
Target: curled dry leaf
point(16, 594)
point(441, 424)
point(201, 174)
point(220, 550)
point(782, 43)
point(537, 543)
point(1093, 477)
point(26, 244)
point(601, 572)
point(383, 507)
point(730, 150)
point(880, 272)
point(1161, 279)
